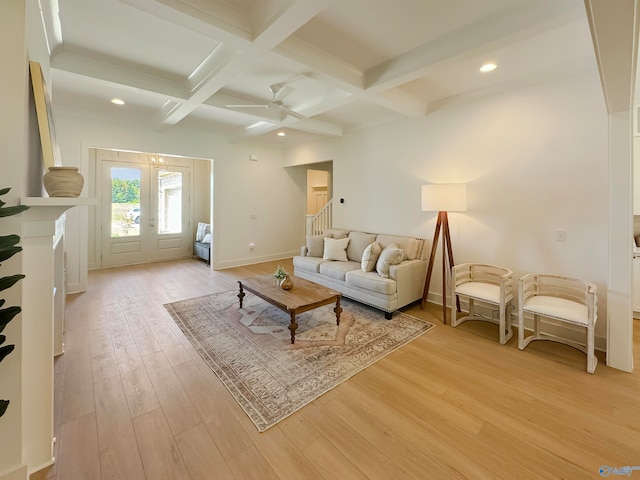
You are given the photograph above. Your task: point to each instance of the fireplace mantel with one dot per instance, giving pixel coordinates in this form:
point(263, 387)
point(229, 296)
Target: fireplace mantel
point(43, 304)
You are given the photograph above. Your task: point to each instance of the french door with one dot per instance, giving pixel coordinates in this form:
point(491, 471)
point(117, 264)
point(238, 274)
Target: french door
point(145, 213)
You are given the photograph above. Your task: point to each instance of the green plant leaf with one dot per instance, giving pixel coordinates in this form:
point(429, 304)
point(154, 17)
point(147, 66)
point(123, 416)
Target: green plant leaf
point(3, 338)
point(8, 252)
point(2, 300)
point(3, 406)
point(6, 350)
point(9, 241)
point(4, 191)
point(8, 282)
point(7, 314)
point(9, 211)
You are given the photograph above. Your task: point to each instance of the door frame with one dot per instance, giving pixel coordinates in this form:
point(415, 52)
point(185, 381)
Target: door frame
point(110, 155)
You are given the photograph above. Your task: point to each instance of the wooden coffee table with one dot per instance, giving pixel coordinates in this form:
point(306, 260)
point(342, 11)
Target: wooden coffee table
point(304, 296)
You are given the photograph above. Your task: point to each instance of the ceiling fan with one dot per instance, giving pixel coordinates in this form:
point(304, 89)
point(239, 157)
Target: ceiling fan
point(278, 93)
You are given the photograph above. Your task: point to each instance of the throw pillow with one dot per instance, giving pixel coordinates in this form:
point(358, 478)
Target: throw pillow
point(203, 229)
point(207, 238)
point(370, 257)
point(358, 241)
point(335, 249)
point(391, 255)
point(315, 245)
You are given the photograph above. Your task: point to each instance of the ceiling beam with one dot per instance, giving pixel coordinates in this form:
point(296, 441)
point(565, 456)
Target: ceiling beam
point(496, 30)
point(220, 66)
point(49, 12)
point(274, 28)
point(614, 30)
point(108, 72)
point(226, 61)
point(230, 27)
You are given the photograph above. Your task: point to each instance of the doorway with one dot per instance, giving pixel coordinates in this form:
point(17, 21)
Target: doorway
point(145, 211)
point(318, 191)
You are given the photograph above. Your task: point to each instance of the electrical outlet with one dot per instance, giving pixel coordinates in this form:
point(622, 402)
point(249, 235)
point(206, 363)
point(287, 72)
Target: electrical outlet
point(561, 235)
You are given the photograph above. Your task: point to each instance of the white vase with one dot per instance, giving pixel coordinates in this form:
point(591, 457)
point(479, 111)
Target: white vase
point(63, 182)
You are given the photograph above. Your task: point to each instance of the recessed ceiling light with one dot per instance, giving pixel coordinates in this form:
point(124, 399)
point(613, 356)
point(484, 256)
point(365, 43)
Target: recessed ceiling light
point(281, 134)
point(488, 67)
point(117, 101)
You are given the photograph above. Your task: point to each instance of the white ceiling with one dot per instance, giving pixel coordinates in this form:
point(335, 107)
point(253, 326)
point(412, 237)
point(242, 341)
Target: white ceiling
point(346, 63)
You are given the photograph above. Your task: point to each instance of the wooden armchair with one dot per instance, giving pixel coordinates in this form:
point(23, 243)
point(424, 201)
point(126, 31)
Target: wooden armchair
point(563, 299)
point(488, 284)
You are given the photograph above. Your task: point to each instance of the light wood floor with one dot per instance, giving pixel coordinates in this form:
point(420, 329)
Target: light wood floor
point(135, 401)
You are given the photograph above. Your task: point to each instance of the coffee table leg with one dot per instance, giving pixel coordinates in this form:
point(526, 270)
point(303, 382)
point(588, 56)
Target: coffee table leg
point(293, 326)
point(338, 310)
point(241, 294)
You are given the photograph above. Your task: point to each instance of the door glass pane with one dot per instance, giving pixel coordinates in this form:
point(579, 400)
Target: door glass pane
point(125, 202)
point(169, 202)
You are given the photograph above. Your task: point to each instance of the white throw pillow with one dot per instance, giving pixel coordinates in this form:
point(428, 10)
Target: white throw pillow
point(335, 249)
point(370, 257)
point(207, 238)
point(203, 229)
point(391, 255)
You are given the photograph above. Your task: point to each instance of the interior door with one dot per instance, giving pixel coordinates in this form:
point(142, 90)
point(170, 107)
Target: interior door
point(125, 194)
point(145, 213)
point(169, 224)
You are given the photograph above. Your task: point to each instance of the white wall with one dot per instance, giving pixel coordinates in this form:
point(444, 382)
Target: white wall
point(13, 154)
point(273, 194)
point(201, 198)
point(535, 160)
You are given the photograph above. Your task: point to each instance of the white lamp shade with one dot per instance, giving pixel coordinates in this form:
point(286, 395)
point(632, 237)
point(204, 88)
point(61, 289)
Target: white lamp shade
point(444, 197)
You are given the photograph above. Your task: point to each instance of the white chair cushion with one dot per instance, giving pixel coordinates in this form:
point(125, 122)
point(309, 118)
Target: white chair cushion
point(559, 308)
point(481, 291)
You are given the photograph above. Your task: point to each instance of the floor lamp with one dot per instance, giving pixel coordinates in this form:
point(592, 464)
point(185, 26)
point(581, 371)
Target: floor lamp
point(442, 198)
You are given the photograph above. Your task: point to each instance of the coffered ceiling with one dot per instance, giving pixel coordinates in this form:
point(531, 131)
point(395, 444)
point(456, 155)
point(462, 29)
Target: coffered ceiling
point(249, 68)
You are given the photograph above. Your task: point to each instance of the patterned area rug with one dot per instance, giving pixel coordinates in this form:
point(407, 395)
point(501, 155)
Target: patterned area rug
point(250, 349)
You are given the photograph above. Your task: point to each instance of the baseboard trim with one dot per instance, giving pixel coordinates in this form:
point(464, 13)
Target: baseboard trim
point(17, 473)
point(240, 262)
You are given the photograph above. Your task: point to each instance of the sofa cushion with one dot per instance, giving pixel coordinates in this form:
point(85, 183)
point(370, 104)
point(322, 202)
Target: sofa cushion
point(370, 257)
point(358, 241)
point(308, 264)
point(409, 245)
point(315, 245)
point(335, 249)
point(391, 255)
point(337, 270)
point(371, 281)
point(336, 232)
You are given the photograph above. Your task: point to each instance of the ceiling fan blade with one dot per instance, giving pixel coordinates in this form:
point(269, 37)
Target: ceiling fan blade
point(247, 106)
point(283, 92)
point(293, 113)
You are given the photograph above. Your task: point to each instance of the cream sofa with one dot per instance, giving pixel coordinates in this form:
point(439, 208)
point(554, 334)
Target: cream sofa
point(394, 279)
